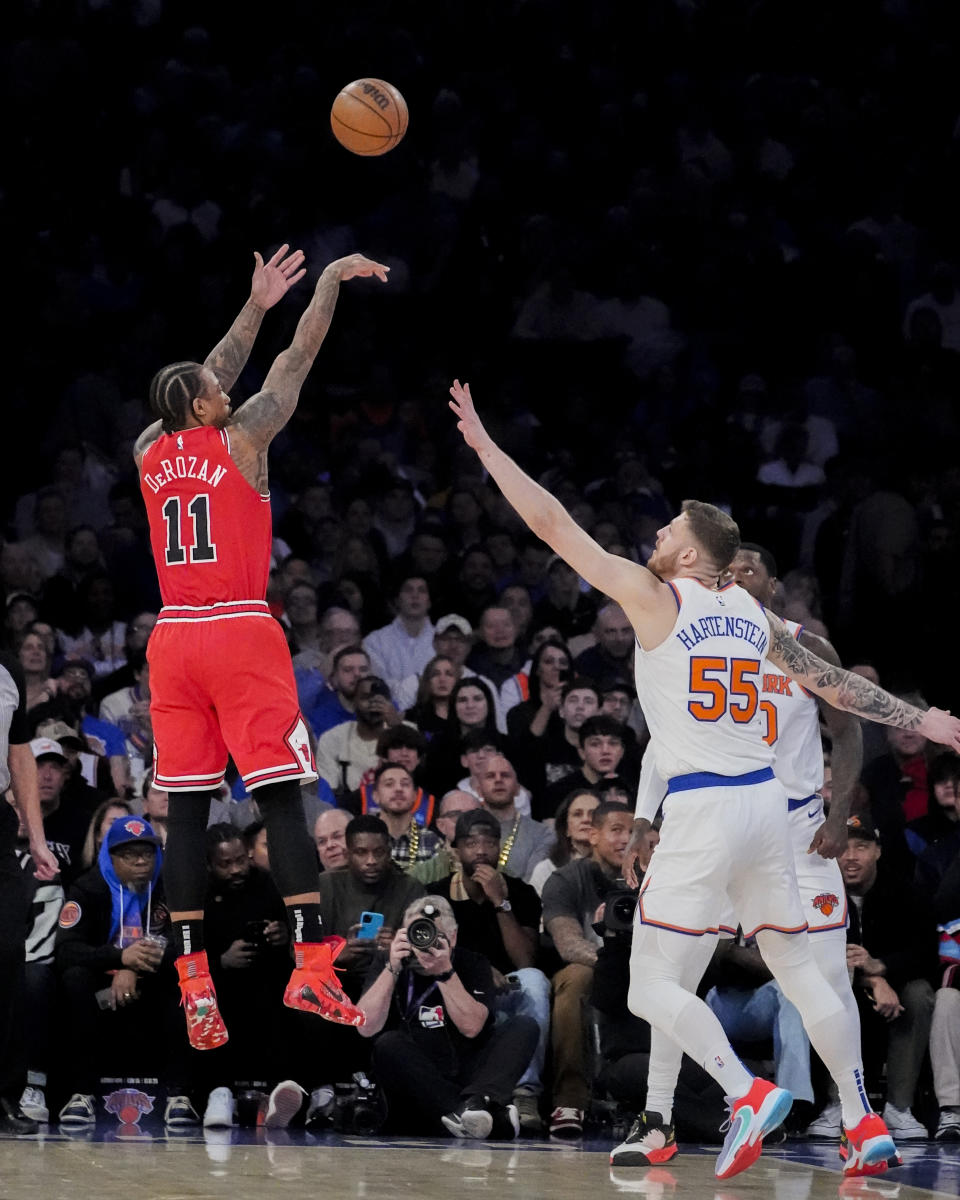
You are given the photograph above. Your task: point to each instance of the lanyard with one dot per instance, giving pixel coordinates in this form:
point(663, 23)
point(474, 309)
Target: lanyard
point(408, 1011)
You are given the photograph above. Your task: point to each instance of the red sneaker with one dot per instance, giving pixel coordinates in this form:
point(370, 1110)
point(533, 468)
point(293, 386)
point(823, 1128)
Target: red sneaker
point(752, 1116)
point(314, 986)
point(205, 1027)
point(868, 1148)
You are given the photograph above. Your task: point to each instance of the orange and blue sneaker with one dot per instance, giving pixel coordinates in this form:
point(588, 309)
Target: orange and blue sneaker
point(205, 1027)
point(868, 1148)
point(764, 1107)
point(648, 1143)
point(315, 988)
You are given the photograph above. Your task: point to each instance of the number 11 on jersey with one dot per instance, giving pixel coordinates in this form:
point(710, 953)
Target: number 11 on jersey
point(199, 548)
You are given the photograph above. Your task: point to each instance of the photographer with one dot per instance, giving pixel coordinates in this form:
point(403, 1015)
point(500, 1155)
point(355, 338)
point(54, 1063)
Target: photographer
point(248, 947)
point(498, 916)
point(438, 1055)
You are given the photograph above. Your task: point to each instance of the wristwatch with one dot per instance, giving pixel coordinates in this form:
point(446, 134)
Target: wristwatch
point(506, 906)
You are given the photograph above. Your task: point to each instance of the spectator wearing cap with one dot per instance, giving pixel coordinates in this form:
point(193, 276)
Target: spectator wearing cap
point(73, 705)
point(439, 1055)
point(452, 639)
point(612, 655)
point(348, 751)
point(65, 825)
point(892, 949)
point(498, 916)
point(116, 977)
point(333, 703)
point(602, 744)
point(450, 807)
point(405, 646)
point(79, 794)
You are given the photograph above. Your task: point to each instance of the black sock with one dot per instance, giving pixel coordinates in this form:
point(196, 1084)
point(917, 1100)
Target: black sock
point(305, 923)
point(188, 935)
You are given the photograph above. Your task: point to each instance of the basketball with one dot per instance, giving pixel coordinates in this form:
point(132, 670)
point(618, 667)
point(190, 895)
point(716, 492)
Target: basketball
point(369, 116)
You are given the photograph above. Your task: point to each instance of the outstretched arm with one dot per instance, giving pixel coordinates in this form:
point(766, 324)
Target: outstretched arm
point(631, 585)
point(271, 282)
point(264, 415)
point(853, 693)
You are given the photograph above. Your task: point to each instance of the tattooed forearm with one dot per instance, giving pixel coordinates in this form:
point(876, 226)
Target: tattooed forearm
point(264, 415)
point(228, 358)
point(145, 440)
point(838, 687)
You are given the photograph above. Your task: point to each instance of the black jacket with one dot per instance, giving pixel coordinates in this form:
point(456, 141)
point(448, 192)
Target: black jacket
point(896, 924)
point(84, 929)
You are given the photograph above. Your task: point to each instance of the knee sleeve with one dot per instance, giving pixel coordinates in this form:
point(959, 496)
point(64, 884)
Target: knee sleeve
point(293, 859)
point(185, 854)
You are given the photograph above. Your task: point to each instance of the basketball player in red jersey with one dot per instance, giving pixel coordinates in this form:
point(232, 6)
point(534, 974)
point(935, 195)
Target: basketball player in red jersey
point(221, 679)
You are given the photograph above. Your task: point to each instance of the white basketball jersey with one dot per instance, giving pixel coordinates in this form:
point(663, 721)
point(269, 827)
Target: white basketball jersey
point(700, 688)
point(792, 727)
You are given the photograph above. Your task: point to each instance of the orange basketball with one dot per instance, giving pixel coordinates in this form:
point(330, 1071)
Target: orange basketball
point(369, 116)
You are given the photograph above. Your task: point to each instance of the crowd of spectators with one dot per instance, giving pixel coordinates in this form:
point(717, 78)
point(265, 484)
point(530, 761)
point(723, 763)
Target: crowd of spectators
point(754, 301)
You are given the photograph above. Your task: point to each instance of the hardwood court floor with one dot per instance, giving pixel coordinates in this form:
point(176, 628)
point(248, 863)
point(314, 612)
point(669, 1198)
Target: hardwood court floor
point(249, 1165)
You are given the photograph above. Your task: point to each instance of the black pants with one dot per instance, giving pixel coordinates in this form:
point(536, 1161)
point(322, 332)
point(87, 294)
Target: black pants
point(146, 1038)
point(419, 1091)
point(14, 910)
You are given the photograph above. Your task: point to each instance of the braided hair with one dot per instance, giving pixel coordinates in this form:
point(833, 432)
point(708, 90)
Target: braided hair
point(172, 392)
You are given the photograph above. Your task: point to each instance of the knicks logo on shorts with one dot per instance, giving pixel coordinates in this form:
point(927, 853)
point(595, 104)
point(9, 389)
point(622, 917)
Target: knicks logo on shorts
point(826, 902)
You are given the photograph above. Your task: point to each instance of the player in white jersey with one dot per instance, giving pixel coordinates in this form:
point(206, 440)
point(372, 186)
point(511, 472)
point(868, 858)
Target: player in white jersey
point(791, 720)
point(703, 650)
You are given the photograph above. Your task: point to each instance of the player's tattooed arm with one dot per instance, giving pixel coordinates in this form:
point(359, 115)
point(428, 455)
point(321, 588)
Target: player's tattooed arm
point(264, 415)
point(146, 440)
point(846, 760)
point(271, 281)
point(853, 693)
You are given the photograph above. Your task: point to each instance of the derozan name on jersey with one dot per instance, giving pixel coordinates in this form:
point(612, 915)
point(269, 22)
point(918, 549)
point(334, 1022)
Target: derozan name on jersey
point(184, 466)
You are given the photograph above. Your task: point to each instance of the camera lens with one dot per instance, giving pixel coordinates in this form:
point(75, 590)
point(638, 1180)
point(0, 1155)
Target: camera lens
point(422, 933)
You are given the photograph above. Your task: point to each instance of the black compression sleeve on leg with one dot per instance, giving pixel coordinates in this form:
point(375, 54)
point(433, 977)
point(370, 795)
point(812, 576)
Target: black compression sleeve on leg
point(293, 859)
point(185, 854)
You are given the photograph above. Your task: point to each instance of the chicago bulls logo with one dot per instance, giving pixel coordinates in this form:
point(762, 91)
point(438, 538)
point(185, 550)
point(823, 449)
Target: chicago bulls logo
point(826, 902)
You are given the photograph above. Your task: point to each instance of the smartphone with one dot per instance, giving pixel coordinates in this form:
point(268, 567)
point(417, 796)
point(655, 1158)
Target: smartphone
point(254, 932)
point(370, 924)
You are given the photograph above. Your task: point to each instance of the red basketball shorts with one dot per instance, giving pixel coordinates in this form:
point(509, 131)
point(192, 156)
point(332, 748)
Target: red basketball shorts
point(221, 683)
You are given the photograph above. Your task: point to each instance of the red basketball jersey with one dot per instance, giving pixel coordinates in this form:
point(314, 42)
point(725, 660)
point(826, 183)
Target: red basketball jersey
point(210, 530)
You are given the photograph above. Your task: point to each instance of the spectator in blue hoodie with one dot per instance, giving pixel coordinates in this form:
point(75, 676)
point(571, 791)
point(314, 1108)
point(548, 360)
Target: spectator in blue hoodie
point(116, 976)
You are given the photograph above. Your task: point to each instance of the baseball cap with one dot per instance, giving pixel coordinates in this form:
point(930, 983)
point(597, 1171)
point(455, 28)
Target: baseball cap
point(856, 828)
point(453, 621)
point(77, 660)
point(43, 747)
point(60, 731)
point(130, 829)
point(477, 817)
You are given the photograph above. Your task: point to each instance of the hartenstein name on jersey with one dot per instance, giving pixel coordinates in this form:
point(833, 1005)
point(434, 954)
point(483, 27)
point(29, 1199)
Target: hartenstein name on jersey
point(184, 466)
point(736, 627)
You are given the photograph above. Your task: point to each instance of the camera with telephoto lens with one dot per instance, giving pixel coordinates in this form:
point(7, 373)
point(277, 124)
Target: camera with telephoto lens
point(620, 904)
point(422, 932)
